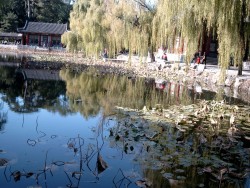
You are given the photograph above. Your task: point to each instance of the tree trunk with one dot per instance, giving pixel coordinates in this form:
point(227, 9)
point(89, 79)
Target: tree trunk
point(28, 12)
point(152, 56)
point(243, 38)
point(240, 69)
point(245, 58)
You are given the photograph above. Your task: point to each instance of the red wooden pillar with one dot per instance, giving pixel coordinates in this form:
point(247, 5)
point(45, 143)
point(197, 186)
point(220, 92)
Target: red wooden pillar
point(27, 39)
point(39, 40)
point(50, 40)
point(23, 39)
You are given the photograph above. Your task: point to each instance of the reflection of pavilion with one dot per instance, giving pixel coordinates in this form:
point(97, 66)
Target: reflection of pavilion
point(35, 74)
point(38, 74)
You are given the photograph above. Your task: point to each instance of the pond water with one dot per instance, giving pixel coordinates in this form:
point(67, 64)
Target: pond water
point(70, 132)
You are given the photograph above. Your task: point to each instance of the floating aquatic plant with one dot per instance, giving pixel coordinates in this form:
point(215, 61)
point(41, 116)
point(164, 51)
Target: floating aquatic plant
point(186, 137)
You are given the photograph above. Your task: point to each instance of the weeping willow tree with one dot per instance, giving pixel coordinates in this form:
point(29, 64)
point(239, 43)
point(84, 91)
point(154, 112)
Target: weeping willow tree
point(116, 25)
point(138, 27)
point(129, 24)
point(84, 19)
point(87, 31)
point(191, 20)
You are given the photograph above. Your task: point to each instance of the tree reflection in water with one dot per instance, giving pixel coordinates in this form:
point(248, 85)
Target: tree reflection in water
point(172, 151)
point(27, 96)
point(3, 117)
point(91, 92)
point(167, 155)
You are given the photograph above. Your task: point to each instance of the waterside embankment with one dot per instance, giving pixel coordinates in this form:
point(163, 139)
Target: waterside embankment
point(207, 77)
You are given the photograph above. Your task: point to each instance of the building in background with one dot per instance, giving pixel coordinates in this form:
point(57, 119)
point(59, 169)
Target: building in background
point(42, 34)
point(10, 38)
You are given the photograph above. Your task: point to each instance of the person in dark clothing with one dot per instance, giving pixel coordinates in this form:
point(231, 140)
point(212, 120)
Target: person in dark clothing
point(196, 54)
point(105, 53)
point(193, 61)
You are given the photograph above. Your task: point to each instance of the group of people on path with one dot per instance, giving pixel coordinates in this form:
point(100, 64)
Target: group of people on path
point(198, 59)
point(162, 54)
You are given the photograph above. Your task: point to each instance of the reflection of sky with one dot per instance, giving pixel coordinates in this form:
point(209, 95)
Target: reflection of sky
point(247, 184)
point(63, 100)
point(19, 101)
point(50, 133)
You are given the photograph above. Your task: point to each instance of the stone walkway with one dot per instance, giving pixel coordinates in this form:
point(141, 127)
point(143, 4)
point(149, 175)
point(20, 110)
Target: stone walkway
point(212, 64)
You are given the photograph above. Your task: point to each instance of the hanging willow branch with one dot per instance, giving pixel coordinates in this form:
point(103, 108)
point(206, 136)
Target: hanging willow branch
point(118, 25)
point(99, 24)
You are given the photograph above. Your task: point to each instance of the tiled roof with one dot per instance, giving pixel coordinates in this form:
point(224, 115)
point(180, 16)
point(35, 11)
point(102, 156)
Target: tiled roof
point(41, 27)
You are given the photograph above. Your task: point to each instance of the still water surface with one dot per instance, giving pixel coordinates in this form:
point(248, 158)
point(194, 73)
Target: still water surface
point(59, 133)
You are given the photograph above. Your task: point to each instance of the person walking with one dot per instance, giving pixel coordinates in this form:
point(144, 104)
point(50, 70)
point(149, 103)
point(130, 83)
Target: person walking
point(198, 60)
point(105, 54)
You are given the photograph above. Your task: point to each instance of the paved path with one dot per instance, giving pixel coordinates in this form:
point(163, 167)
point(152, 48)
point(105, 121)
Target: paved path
point(212, 64)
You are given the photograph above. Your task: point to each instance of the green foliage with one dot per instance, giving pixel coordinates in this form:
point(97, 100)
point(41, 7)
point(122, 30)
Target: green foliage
point(72, 41)
point(113, 25)
point(50, 11)
point(194, 19)
point(9, 22)
point(138, 27)
point(14, 13)
point(87, 30)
